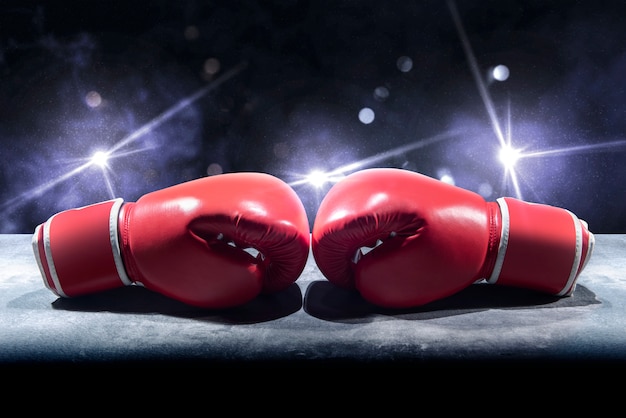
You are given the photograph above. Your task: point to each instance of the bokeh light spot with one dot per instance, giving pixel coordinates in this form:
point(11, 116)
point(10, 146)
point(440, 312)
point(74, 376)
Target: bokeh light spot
point(93, 99)
point(191, 33)
point(404, 64)
point(214, 169)
point(485, 190)
point(212, 66)
point(366, 115)
point(447, 178)
point(500, 72)
point(381, 93)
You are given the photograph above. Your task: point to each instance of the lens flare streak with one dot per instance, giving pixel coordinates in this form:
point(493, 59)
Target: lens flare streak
point(474, 68)
point(107, 181)
point(319, 177)
point(576, 149)
point(169, 113)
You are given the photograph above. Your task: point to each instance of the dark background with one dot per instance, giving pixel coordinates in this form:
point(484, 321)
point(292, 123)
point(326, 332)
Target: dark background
point(177, 90)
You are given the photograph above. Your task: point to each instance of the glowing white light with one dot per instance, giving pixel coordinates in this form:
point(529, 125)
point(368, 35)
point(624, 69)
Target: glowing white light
point(500, 72)
point(447, 178)
point(100, 159)
point(317, 178)
point(509, 156)
point(366, 115)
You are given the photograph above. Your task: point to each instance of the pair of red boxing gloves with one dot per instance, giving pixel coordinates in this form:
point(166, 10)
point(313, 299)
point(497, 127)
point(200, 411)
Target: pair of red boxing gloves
point(399, 238)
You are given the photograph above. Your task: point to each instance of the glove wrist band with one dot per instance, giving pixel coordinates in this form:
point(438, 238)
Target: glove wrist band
point(541, 247)
point(88, 235)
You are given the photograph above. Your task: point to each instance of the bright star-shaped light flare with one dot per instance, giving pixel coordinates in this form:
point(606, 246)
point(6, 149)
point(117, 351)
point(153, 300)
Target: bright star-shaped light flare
point(100, 158)
point(318, 178)
point(509, 156)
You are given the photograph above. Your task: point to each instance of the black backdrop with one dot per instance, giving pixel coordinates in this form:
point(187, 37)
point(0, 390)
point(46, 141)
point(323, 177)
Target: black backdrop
point(176, 90)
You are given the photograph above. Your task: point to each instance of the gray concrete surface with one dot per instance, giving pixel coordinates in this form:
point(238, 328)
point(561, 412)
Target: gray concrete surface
point(314, 322)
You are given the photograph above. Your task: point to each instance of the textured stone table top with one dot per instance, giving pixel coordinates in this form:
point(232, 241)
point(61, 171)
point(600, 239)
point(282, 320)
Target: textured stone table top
point(313, 321)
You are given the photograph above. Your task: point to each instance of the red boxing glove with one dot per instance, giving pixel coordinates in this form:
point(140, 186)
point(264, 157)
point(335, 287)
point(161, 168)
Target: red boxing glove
point(191, 242)
point(433, 239)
